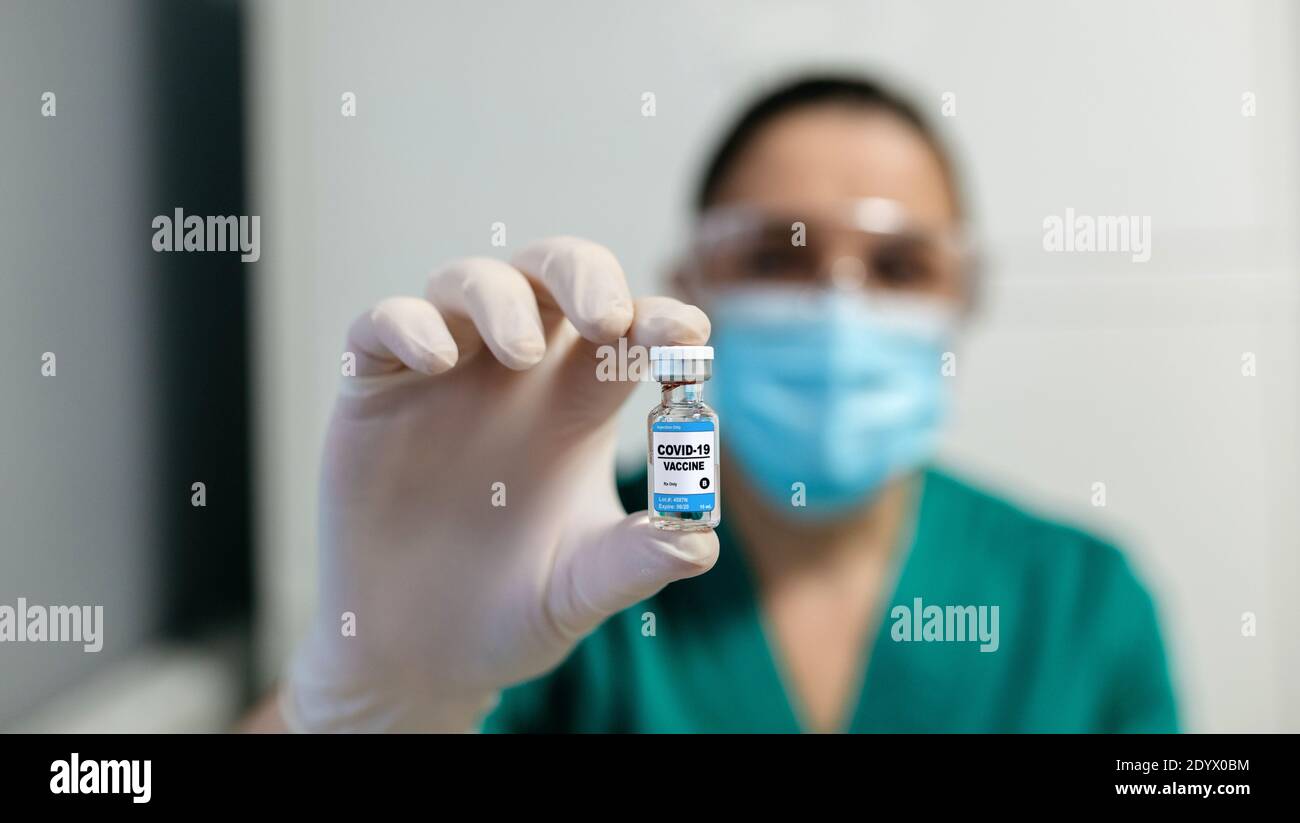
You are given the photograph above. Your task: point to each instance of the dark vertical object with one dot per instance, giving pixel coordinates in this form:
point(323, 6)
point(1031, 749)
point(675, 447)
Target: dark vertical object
point(203, 318)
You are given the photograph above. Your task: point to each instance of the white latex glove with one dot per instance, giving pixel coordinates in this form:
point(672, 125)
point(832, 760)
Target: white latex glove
point(455, 598)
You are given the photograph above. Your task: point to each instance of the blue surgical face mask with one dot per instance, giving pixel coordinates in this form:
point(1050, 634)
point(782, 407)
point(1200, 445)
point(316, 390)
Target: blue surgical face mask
point(839, 391)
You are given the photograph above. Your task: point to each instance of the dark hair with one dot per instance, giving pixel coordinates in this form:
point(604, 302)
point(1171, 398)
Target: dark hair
point(809, 92)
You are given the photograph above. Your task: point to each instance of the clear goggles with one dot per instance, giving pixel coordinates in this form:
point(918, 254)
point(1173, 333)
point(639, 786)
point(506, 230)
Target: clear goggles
point(871, 244)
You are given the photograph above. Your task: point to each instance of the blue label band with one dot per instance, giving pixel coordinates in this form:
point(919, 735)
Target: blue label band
point(690, 426)
point(684, 502)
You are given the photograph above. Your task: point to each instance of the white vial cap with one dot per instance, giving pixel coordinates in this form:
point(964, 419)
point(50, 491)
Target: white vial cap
point(681, 364)
point(681, 353)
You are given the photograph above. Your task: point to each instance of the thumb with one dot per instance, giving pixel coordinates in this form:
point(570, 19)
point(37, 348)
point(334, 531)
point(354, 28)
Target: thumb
point(620, 566)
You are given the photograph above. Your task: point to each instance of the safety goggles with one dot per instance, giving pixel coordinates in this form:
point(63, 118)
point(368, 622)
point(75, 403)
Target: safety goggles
point(872, 243)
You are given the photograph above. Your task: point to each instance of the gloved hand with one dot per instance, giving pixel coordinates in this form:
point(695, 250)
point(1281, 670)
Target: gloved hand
point(490, 380)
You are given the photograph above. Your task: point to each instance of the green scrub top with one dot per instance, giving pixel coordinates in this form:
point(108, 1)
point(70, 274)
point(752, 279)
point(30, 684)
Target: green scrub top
point(1078, 646)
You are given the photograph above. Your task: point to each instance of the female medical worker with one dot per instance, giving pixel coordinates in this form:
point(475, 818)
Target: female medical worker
point(479, 571)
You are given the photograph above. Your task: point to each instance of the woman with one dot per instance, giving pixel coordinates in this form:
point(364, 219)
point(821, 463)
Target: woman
point(478, 571)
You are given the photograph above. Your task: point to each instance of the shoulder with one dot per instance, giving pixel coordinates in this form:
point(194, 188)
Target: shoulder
point(1074, 610)
point(1009, 538)
point(1059, 582)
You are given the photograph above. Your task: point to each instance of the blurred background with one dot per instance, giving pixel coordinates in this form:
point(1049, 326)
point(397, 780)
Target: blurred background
point(175, 369)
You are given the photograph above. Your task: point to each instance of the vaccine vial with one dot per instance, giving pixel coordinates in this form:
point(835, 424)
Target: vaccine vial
point(683, 434)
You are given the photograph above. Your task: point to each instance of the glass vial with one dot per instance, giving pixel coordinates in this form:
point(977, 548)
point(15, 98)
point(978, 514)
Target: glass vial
point(683, 435)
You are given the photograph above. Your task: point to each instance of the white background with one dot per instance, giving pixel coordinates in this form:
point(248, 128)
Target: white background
point(78, 523)
point(1079, 368)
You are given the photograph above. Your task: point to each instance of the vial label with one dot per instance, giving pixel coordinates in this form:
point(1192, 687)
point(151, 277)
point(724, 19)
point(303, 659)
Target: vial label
point(684, 457)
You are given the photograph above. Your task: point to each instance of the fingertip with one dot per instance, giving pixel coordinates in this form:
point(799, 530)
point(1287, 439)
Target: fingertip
point(402, 332)
point(697, 550)
point(611, 323)
point(440, 360)
point(691, 552)
point(663, 321)
point(586, 281)
point(521, 354)
point(696, 326)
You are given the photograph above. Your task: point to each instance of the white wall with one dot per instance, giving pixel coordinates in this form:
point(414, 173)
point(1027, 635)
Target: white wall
point(1080, 369)
point(78, 472)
